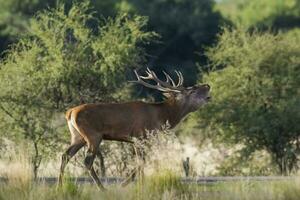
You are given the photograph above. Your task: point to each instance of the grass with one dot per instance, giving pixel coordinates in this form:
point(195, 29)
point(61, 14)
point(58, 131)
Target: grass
point(164, 185)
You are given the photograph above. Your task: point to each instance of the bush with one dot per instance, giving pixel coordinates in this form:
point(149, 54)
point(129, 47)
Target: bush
point(61, 63)
point(256, 94)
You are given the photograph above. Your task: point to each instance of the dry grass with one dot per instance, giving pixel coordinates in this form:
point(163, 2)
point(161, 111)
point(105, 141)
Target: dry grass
point(164, 151)
point(161, 182)
point(16, 166)
point(164, 185)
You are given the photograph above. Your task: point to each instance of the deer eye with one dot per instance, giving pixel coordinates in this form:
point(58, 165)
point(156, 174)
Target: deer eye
point(192, 91)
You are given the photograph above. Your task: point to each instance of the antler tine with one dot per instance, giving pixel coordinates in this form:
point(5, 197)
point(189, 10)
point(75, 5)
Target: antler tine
point(164, 84)
point(169, 79)
point(157, 86)
point(149, 74)
point(152, 73)
point(160, 85)
point(180, 78)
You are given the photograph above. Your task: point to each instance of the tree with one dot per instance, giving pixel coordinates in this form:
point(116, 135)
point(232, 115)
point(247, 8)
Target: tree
point(15, 15)
point(279, 14)
point(185, 27)
point(63, 62)
point(256, 94)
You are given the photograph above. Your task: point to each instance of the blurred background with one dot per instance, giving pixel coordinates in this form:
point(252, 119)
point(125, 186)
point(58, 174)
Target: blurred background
point(58, 54)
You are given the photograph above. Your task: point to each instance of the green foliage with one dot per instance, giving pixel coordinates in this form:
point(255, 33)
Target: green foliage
point(185, 26)
point(63, 62)
point(256, 94)
point(62, 58)
point(168, 17)
point(14, 18)
point(164, 180)
point(188, 24)
point(67, 56)
point(14, 14)
point(243, 163)
point(70, 189)
point(270, 13)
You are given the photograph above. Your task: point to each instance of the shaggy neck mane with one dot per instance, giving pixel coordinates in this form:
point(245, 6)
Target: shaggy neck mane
point(174, 111)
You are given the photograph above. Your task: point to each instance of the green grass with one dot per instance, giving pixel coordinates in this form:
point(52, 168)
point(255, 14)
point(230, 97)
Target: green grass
point(160, 186)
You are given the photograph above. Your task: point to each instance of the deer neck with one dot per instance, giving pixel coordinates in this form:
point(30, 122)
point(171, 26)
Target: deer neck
point(175, 112)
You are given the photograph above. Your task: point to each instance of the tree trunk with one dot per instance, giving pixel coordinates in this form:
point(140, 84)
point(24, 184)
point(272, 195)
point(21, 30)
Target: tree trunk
point(36, 160)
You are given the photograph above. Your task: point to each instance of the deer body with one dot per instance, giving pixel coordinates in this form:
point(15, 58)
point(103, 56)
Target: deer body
point(89, 124)
point(130, 119)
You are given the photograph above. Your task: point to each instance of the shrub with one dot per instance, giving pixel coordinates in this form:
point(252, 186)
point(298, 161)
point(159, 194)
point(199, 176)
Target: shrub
point(256, 94)
point(64, 62)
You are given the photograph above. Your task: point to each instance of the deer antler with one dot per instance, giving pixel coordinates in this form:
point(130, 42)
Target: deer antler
point(164, 86)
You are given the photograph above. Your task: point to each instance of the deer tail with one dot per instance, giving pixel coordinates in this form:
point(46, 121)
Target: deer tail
point(68, 114)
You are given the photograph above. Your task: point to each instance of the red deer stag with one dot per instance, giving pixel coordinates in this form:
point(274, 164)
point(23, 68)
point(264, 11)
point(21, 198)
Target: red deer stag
point(89, 124)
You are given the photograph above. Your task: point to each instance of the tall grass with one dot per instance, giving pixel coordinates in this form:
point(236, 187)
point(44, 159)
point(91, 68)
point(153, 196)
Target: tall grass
point(16, 165)
point(159, 186)
point(164, 184)
point(161, 182)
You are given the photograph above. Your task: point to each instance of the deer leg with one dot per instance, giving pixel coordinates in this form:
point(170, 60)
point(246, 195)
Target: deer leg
point(88, 162)
point(102, 165)
point(69, 153)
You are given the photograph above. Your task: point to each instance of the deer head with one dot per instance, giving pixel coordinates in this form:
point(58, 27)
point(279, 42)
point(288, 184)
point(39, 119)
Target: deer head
point(191, 97)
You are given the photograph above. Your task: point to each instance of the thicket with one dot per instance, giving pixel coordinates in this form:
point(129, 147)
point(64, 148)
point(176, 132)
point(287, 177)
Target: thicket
point(62, 62)
point(256, 94)
point(76, 53)
point(278, 15)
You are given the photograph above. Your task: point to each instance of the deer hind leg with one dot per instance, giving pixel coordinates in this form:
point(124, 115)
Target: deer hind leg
point(69, 153)
point(93, 149)
point(77, 143)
